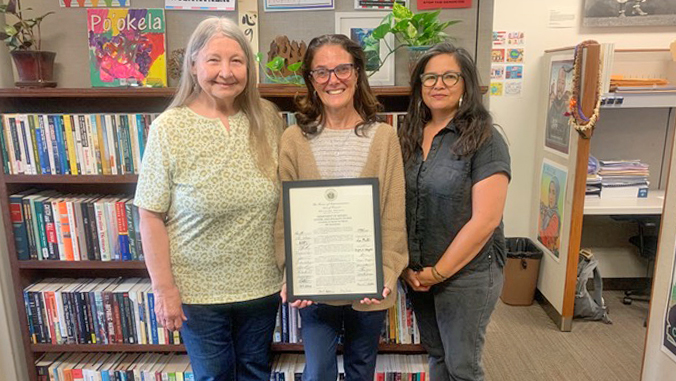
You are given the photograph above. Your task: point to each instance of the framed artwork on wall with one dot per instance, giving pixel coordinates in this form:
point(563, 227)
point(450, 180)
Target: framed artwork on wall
point(358, 26)
point(553, 180)
point(621, 13)
point(557, 132)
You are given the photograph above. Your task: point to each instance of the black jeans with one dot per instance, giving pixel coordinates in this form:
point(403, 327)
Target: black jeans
point(452, 318)
point(228, 342)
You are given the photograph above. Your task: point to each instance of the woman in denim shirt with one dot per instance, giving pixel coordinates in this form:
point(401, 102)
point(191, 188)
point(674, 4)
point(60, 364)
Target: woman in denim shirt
point(457, 172)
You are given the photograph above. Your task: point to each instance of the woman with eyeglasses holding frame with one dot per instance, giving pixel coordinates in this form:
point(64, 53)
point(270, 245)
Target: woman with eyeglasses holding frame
point(457, 171)
point(337, 136)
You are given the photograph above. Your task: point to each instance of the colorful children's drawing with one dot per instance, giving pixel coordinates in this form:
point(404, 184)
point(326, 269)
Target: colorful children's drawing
point(498, 55)
point(499, 38)
point(515, 38)
point(514, 72)
point(515, 55)
point(496, 89)
point(93, 3)
point(127, 47)
point(497, 72)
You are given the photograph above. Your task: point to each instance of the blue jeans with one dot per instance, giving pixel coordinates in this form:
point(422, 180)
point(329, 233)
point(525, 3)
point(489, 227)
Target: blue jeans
point(321, 325)
point(228, 342)
point(452, 319)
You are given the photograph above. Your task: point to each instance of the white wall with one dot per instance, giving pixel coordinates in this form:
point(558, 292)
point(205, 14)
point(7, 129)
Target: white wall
point(519, 116)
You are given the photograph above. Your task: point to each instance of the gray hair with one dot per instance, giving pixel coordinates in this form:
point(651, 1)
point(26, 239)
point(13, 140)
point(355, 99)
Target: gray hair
point(265, 124)
point(205, 31)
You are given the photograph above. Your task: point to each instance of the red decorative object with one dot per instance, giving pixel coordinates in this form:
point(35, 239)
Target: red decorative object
point(436, 4)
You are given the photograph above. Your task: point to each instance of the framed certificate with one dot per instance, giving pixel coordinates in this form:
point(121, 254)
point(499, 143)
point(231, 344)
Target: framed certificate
point(332, 239)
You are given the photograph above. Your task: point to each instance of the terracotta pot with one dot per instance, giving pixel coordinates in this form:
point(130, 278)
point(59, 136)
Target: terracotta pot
point(35, 68)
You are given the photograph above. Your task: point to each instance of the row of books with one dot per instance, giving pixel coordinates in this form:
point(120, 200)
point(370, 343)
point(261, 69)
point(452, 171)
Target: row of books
point(54, 226)
point(289, 367)
point(114, 366)
point(121, 311)
point(94, 311)
point(177, 367)
point(73, 144)
point(400, 324)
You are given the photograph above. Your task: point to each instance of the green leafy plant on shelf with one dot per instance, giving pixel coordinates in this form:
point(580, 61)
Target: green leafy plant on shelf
point(23, 34)
point(422, 29)
point(275, 68)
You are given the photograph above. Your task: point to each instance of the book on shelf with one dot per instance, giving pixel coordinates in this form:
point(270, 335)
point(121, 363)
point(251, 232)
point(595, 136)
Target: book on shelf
point(400, 326)
point(94, 311)
point(74, 144)
point(177, 367)
point(50, 225)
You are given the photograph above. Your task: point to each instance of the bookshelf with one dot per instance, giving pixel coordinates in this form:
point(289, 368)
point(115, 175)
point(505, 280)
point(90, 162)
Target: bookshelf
point(108, 100)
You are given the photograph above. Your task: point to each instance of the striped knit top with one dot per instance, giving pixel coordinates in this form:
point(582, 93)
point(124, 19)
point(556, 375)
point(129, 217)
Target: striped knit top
point(341, 154)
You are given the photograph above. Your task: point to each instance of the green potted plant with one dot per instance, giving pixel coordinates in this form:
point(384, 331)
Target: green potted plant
point(34, 66)
point(416, 31)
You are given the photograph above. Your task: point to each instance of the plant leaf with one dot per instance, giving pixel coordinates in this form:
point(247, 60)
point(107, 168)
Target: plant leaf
point(401, 12)
point(259, 57)
point(11, 30)
point(11, 7)
point(277, 64)
point(380, 32)
point(294, 66)
point(411, 31)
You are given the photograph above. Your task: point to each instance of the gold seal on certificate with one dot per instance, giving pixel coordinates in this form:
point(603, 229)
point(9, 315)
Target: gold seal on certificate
point(332, 239)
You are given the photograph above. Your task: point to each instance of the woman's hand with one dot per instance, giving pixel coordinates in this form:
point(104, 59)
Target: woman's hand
point(168, 308)
point(386, 291)
point(297, 303)
point(411, 278)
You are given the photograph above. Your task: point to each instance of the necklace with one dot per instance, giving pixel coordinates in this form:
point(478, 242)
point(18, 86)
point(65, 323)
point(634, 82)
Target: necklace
point(584, 125)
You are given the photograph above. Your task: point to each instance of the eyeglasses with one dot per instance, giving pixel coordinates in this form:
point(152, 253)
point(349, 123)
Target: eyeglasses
point(323, 75)
point(449, 78)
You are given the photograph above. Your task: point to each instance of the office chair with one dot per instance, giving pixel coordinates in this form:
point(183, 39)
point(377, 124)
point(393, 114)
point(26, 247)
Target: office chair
point(647, 247)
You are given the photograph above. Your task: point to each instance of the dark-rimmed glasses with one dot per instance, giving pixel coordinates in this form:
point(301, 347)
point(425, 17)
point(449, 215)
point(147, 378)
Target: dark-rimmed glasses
point(323, 75)
point(449, 78)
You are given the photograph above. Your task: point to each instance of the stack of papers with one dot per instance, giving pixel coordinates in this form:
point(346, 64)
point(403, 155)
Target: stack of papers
point(623, 178)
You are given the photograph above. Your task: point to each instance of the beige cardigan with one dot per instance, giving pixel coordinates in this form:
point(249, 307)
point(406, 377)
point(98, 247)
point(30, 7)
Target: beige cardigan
point(296, 162)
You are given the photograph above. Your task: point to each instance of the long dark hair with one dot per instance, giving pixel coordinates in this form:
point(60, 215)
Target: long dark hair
point(473, 121)
point(310, 108)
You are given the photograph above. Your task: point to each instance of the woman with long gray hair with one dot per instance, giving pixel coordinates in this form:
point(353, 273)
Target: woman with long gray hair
point(207, 194)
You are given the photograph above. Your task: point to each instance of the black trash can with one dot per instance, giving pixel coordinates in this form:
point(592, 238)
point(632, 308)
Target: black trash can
point(521, 272)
